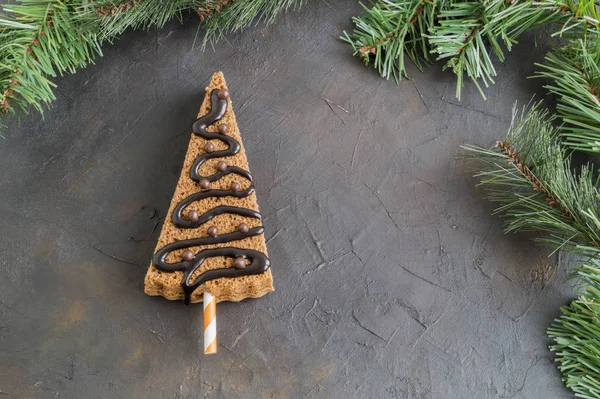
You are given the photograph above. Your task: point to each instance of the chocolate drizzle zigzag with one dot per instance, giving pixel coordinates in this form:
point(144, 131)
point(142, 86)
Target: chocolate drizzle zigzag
point(259, 263)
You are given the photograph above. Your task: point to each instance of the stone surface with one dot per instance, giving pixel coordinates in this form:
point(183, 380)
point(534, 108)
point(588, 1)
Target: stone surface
point(392, 278)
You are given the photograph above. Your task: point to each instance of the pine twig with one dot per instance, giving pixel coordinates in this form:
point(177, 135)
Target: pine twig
point(466, 30)
point(465, 33)
point(239, 14)
point(42, 39)
point(459, 36)
point(118, 16)
point(38, 40)
point(391, 30)
point(529, 177)
point(576, 335)
point(575, 74)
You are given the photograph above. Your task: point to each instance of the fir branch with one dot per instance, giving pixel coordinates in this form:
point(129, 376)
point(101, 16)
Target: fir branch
point(39, 39)
point(466, 30)
point(391, 30)
point(509, 19)
point(211, 9)
point(581, 19)
point(239, 14)
point(460, 37)
point(529, 177)
point(42, 39)
point(575, 72)
point(577, 336)
point(118, 16)
point(463, 32)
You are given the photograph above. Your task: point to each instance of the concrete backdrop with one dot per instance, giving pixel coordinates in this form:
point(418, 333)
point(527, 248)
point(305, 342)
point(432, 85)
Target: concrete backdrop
point(393, 279)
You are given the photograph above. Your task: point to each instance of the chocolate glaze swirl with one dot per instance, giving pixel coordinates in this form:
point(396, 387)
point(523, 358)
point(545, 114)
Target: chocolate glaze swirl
point(259, 263)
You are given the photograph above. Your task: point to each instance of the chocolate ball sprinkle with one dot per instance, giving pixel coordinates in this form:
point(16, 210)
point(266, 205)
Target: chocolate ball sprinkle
point(212, 231)
point(209, 147)
point(193, 216)
point(187, 256)
point(204, 184)
point(223, 128)
point(223, 94)
point(243, 227)
point(239, 263)
point(221, 166)
point(236, 186)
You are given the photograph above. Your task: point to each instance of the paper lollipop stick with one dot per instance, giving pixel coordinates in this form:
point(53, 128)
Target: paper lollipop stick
point(210, 323)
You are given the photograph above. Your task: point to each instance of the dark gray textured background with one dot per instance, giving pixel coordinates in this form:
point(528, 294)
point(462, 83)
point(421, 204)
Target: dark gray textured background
point(393, 280)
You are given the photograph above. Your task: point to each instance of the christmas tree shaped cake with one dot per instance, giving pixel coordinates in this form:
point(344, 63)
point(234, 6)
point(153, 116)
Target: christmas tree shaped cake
point(212, 240)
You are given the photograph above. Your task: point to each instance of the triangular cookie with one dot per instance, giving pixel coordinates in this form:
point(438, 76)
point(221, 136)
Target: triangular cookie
point(212, 238)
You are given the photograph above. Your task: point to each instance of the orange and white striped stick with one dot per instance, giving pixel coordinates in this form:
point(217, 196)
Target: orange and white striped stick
point(210, 323)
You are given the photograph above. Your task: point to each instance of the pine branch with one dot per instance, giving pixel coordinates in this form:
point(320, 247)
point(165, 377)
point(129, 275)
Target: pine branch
point(529, 177)
point(460, 37)
point(581, 19)
point(241, 13)
point(42, 39)
point(115, 17)
point(391, 30)
point(466, 30)
point(577, 336)
point(463, 32)
point(39, 39)
point(575, 72)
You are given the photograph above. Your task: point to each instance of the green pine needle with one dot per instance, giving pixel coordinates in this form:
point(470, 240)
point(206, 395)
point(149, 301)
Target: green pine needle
point(577, 336)
point(529, 177)
point(575, 74)
point(464, 33)
point(241, 14)
point(391, 30)
point(42, 39)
